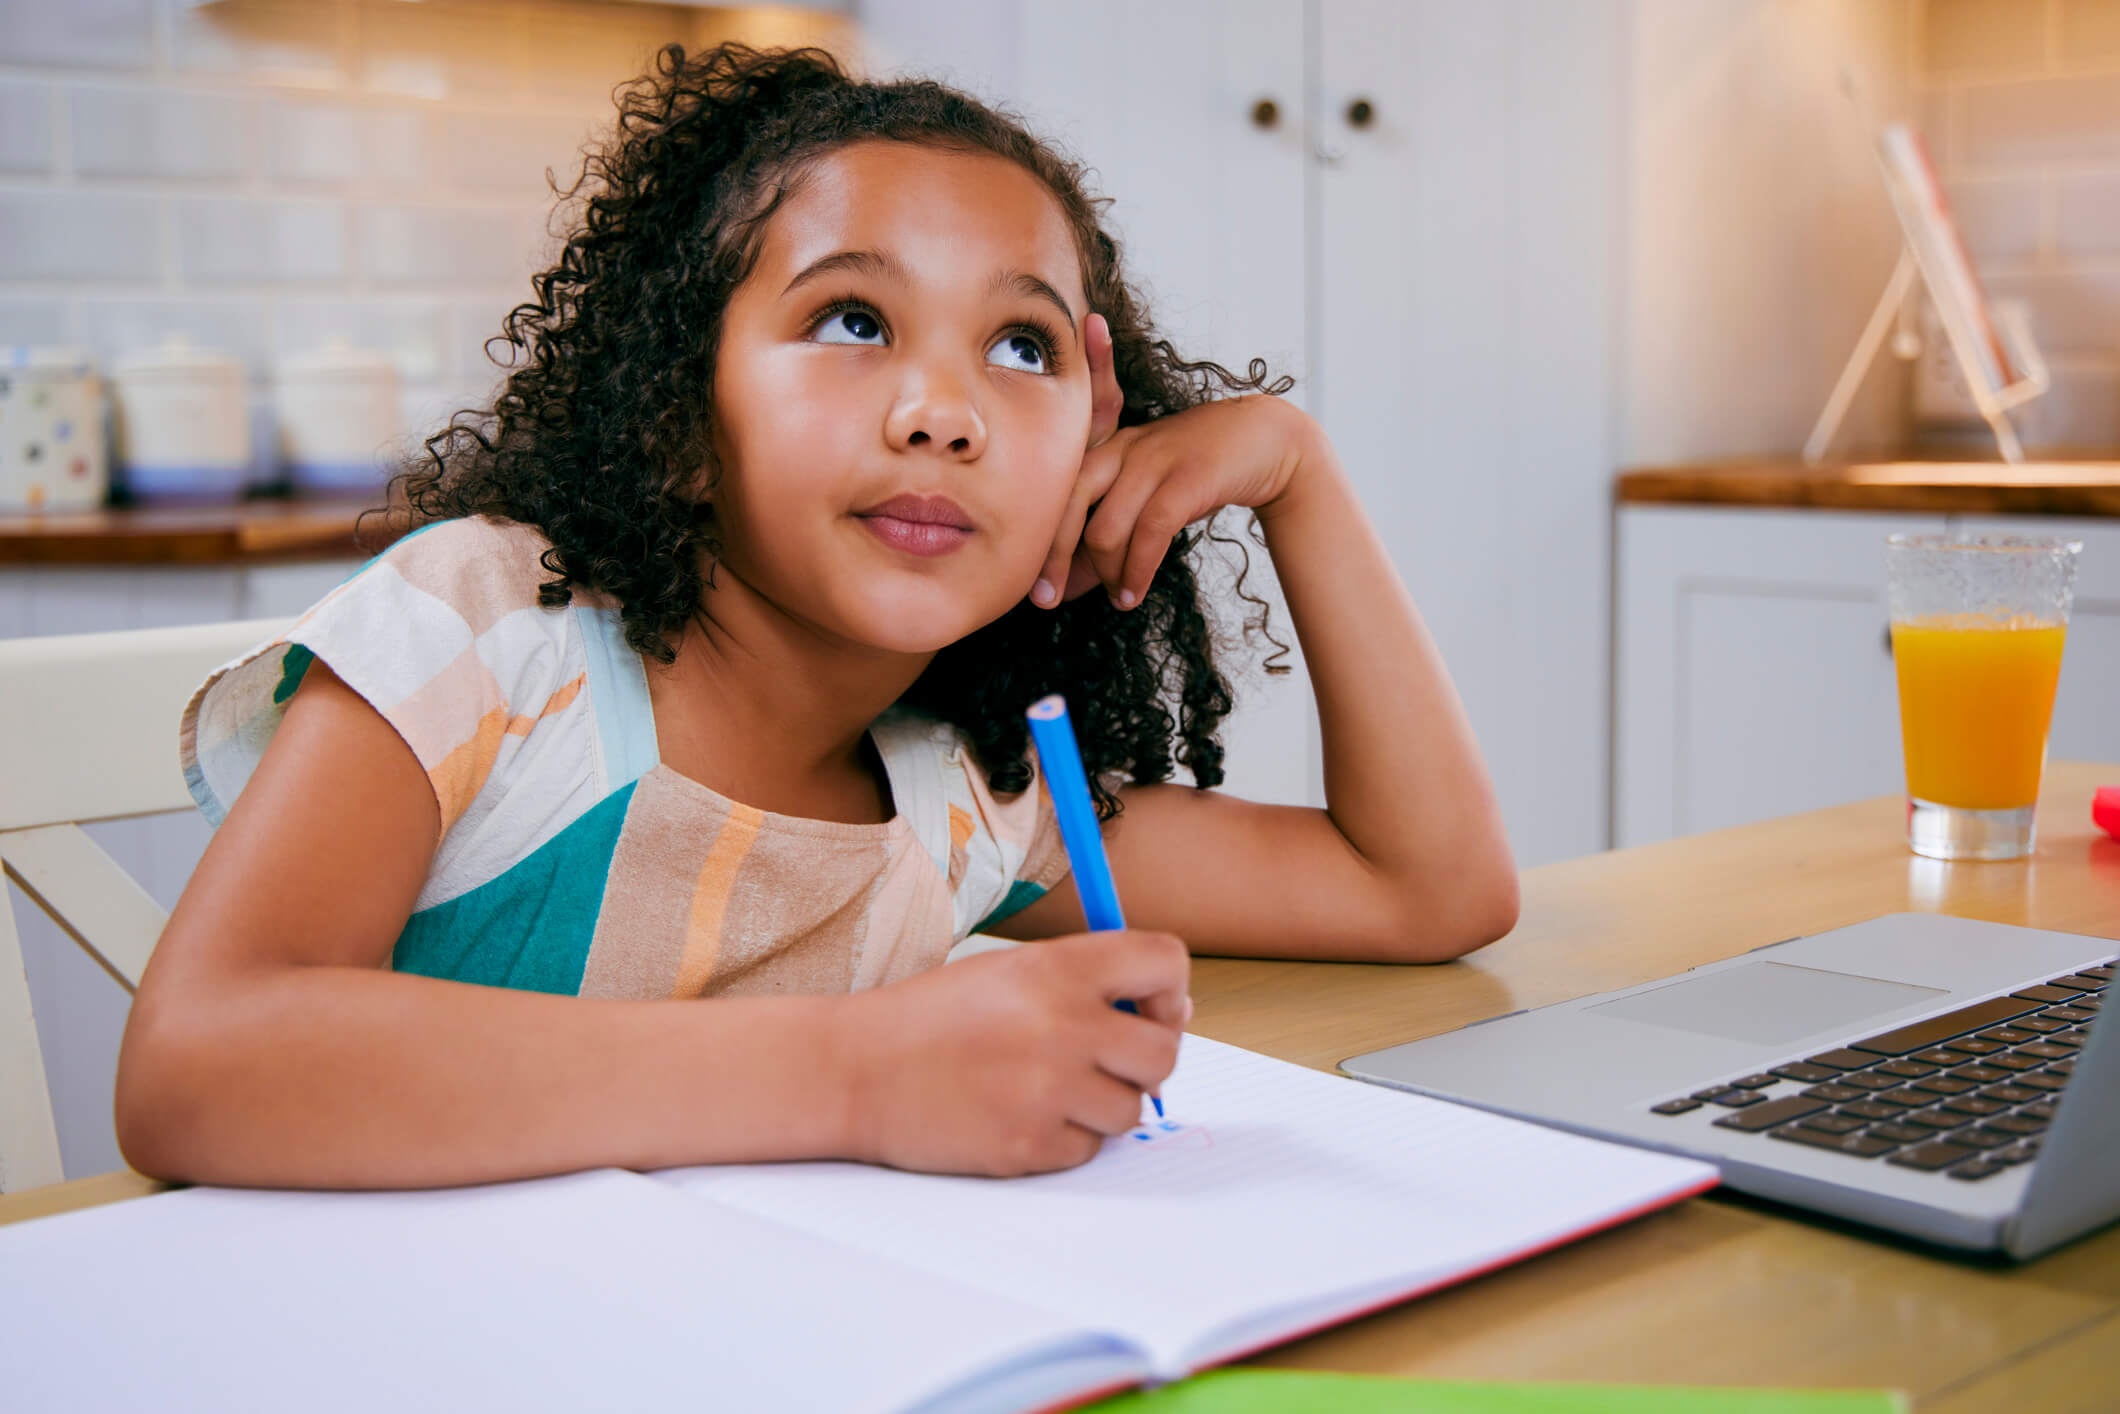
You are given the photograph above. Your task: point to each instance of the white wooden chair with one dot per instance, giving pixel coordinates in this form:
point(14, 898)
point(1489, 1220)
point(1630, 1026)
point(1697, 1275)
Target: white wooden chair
point(88, 732)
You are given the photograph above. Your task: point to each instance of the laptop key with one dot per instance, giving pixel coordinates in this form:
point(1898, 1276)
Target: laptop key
point(1906, 1065)
point(2044, 1109)
point(1937, 1119)
point(1675, 1107)
point(2012, 1094)
point(1771, 1113)
point(1985, 1138)
point(2040, 1080)
point(2017, 1125)
point(2077, 982)
point(1899, 1133)
point(1940, 1085)
point(1937, 1055)
point(1833, 1123)
point(2042, 994)
point(1804, 1071)
point(1737, 1099)
point(1923, 1034)
point(1835, 1093)
point(2010, 1060)
point(2067, 1013)
point(1980, 1074)
point(1904, 1099)
point(2045, 1050)
point(1870, 1109)
point(1971, 1045)
point(2007, 1035)
point(2041, 1024)
point(1934, 1155)
point(2015, 1154)
point(1757, 1082)
point(2062, 1067)
point(1845, 1059)
point(2103, 972)
point(1972, 1105)
point(1978, 1169)
point(1710, 1093)
point(1861, 1146)
point(1869, 1080)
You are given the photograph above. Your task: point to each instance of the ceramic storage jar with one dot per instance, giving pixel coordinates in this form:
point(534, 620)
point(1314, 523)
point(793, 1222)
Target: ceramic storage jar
point(337, 410)
point(52, 455)
point(183, 423)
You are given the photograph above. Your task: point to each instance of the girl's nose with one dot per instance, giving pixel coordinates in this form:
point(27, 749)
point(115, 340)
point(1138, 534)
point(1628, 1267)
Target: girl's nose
point(935, 410)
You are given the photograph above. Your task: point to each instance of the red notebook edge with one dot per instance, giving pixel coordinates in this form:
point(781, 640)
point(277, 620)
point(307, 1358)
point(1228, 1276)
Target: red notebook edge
point(1412, 1293)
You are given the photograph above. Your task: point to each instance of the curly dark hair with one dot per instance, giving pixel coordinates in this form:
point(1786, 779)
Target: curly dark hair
point(599, 434)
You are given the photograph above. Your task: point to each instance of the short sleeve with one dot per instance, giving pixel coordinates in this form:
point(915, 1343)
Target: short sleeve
point(442, 635)
point(1012, 854)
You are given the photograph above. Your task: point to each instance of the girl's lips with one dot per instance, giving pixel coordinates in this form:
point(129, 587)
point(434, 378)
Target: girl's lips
point(916, 537)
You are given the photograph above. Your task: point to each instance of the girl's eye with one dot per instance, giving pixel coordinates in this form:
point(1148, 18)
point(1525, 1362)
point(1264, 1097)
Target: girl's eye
point(1019, 351)
point(849, 326)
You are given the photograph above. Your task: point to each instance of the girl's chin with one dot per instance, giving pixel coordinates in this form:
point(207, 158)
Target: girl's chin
point(920, 624)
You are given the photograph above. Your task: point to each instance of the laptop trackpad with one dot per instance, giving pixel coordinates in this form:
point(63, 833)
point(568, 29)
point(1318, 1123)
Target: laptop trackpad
point(1765, 1002)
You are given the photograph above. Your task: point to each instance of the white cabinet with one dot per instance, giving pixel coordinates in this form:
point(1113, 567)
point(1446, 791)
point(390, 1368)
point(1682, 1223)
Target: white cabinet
point(1424, 236)
point(1754, 663)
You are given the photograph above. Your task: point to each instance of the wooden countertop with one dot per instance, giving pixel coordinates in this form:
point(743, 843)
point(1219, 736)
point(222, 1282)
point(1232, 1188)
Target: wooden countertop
point(265, 531)
point(2055, 488)
point(1718, 1290)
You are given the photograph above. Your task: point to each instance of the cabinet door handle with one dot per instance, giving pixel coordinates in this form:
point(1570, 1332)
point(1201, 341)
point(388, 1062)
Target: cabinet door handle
point(1361, 113)
point(1265, 114)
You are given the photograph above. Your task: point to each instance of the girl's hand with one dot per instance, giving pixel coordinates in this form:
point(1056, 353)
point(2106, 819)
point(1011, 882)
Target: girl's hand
point(1140, 486)
point(1015, 1062)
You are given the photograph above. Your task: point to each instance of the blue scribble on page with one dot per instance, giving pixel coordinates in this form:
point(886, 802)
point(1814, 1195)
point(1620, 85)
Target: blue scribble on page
point(1162, 1134)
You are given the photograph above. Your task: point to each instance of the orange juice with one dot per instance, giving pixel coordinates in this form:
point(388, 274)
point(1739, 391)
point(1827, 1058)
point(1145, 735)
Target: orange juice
point(1975, 695)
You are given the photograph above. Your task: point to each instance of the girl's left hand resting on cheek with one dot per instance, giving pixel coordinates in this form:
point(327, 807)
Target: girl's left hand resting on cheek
point(1140, 486)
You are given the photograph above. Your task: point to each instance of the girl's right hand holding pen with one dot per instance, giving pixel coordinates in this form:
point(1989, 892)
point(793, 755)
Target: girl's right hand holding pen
point(1015, 1062)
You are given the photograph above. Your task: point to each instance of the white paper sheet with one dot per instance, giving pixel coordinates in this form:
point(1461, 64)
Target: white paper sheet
point(1285, 1189)
point(594, 1291)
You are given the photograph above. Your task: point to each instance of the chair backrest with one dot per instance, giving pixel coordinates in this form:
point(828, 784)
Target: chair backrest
point(88, 732)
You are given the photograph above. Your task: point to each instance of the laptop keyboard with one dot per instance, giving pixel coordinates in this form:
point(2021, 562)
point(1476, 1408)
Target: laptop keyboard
point(1968, 1093)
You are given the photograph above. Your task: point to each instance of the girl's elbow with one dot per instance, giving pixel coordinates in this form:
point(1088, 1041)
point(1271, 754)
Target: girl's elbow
point(151, 1104)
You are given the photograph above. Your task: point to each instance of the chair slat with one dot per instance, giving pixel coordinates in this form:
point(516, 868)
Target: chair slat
point(88, 894)
point(91, 719)
point(29, 1139)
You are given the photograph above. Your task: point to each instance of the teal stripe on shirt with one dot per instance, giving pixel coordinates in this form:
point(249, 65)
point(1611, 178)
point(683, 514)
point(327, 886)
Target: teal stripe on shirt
point(529, 928)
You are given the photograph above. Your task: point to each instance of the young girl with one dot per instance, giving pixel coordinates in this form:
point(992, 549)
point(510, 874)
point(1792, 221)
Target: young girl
point(837, 439)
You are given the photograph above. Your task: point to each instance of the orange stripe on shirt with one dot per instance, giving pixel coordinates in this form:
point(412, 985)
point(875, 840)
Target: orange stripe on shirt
point(459, 776)
point(710, 899)
point(558, 702)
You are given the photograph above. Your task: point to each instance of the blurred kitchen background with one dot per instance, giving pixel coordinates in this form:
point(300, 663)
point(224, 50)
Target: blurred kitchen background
point(1511, 249)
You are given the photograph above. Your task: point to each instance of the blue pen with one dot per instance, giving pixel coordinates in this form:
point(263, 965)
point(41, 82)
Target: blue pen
point(1054, 736)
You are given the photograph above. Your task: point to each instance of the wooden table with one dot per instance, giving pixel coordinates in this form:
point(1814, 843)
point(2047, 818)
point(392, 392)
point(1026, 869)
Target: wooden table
point(1718, 1290)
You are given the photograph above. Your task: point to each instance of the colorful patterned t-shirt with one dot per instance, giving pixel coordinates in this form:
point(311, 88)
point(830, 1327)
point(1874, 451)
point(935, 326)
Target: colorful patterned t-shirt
point(571, 860)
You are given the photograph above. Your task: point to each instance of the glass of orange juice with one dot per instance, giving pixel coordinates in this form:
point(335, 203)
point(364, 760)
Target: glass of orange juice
point(1978, 625)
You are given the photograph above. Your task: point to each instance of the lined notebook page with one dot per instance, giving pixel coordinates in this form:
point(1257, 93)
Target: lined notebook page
point(599, 1290)
point(1284, 1191)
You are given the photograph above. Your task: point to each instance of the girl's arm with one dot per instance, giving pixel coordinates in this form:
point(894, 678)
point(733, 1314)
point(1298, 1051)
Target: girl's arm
point(269, 1043)
point(1408, 860)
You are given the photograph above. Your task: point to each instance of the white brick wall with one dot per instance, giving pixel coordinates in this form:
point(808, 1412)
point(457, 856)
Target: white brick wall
point(264, 175)
point(2021, 108)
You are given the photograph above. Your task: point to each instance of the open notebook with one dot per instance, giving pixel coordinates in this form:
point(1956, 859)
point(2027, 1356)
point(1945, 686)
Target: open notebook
point(1283, 1200)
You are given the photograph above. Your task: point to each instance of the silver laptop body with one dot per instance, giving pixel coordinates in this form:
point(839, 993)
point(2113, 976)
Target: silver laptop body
point(1599, 1065)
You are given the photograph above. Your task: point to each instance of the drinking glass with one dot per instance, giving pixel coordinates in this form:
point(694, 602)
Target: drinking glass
point(1977, 630)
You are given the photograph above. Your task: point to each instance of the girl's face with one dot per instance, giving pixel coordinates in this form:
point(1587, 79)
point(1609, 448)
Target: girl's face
point(902, 399)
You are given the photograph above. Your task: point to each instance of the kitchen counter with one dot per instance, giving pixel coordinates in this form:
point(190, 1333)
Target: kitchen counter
point(257, 532)
point(2058, 488)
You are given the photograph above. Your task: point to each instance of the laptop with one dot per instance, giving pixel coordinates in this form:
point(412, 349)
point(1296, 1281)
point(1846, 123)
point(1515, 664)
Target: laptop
point(1939, 1077)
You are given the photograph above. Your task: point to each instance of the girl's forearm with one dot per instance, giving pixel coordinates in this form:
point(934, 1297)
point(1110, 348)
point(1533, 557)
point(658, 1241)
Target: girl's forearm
point(1404, 780)
point(340, 1077)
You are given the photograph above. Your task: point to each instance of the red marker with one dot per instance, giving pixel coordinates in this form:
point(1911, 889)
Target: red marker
point(2105, 810)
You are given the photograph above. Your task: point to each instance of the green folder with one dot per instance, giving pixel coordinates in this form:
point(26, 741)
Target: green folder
point(1300, 1391)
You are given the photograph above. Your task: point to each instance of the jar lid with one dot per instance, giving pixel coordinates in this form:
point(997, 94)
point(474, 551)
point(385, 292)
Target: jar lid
point(338, 359)
point(53, 361)
point(176, 354)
